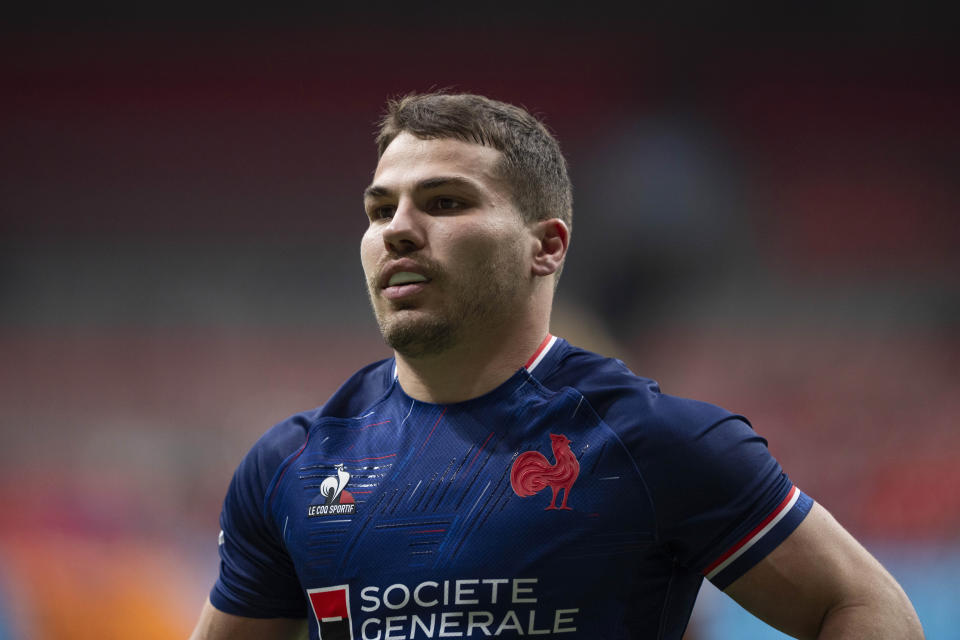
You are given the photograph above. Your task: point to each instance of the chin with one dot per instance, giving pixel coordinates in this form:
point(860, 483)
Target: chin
point(416, 337)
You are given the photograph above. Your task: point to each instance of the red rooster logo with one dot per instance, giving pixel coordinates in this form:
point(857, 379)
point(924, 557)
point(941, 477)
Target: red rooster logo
point(532, 472)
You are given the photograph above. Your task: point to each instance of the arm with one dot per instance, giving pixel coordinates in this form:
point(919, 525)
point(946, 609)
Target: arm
point(821, 583)
point(217, 625)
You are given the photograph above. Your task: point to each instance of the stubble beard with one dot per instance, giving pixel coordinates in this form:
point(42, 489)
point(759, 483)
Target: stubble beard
point(418, 337)
point(480, 301)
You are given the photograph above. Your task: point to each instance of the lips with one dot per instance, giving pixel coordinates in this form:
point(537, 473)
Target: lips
point(403, 278)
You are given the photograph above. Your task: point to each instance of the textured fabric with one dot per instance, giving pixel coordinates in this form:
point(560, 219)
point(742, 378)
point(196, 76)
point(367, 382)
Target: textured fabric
point(574, 500)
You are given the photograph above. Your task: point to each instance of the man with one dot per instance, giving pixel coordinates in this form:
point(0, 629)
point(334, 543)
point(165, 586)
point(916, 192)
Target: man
point(493, 480)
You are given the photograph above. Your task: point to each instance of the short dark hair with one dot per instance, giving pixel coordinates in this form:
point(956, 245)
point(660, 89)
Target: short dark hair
point(532, 164)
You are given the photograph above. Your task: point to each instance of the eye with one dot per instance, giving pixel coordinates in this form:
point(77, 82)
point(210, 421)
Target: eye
point(382, 212)
point(447, 204)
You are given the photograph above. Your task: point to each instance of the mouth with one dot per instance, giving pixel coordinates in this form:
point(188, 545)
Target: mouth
point(402, 284)
point(401, 278)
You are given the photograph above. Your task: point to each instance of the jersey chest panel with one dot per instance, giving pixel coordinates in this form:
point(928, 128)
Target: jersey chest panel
point(470, 522)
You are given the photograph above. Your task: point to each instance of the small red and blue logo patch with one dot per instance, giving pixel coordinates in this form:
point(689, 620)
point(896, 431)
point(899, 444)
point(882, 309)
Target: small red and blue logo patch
point(337, 501)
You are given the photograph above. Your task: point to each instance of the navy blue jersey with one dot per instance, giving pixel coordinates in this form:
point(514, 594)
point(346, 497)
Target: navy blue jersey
point(574, 500)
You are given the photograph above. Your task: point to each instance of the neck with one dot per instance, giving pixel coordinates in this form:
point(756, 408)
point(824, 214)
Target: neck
point(472, 367)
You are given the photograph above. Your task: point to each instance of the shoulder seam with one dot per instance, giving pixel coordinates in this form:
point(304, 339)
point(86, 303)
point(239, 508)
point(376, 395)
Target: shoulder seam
point(633, 461)
point(274, 485)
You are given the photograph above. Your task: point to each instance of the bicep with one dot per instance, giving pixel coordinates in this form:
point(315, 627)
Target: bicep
point(217, 625)
point(819, 569)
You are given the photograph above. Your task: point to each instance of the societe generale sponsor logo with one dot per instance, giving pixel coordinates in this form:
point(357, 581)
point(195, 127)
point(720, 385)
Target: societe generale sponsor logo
point(462, 608)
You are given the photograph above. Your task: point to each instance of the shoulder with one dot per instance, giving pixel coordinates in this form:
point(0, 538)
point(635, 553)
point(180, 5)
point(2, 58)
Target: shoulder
point(673, 441)
point(361, 391)
point(623, 399)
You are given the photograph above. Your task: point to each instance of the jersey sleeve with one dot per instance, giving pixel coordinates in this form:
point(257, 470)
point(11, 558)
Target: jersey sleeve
point(722, 501)
point(257, 578)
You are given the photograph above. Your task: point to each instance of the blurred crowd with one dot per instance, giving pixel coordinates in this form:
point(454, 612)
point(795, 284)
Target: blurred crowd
point(766, 223)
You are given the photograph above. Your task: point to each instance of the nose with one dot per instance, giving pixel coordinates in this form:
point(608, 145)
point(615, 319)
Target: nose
point(405, 232)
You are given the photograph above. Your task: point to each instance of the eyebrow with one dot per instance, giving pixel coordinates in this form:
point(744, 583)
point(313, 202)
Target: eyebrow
point(375, 191)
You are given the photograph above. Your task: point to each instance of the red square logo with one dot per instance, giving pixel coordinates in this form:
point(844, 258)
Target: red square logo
point(331, 607)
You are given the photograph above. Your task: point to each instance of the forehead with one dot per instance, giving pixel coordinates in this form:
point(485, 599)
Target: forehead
point(408, 160)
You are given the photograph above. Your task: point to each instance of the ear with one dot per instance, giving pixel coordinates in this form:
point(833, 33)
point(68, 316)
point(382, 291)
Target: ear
point(552, 238)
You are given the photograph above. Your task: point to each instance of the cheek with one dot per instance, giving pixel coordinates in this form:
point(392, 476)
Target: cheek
point(481, 244)
point(368, 252)
point(501, 249)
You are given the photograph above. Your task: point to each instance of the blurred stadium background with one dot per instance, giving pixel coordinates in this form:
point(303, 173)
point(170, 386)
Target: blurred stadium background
point(765, 219)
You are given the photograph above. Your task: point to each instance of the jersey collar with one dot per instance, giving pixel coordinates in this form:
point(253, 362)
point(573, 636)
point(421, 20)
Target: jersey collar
point(540, 353)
